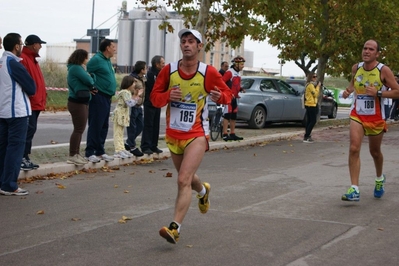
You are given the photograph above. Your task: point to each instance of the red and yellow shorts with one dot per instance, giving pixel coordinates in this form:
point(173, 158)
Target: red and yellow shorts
point(371, 125)
point(177, 146)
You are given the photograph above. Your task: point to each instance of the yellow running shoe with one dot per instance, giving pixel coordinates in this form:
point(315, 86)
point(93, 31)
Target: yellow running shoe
point(171, 234)
point(203, 202)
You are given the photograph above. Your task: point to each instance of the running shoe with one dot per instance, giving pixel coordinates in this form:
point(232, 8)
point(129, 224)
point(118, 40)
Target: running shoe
point(203, 202)
point(235, 137)
point(76, 160)
point(379, 188)
point(106, 157)
point(226, 137)
point(93, 159)
point(171, 234)
point(18, 192)
point(120, 154)
point(308, 140)
point(351, 195)
point(26, 165)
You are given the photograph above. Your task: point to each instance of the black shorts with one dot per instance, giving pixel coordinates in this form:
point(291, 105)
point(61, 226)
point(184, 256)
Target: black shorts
point(230, 116)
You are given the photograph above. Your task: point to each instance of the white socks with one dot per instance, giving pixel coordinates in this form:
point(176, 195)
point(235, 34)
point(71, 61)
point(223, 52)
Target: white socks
point(202, 192)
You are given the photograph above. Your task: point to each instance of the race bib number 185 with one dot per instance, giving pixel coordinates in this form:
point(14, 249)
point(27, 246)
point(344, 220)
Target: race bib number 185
point(182, 115)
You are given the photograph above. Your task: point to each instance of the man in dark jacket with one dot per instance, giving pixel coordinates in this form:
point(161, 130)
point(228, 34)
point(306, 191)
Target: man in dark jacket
point(152, 115)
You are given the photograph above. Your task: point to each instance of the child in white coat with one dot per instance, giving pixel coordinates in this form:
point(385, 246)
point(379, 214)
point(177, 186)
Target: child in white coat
point(129, 95)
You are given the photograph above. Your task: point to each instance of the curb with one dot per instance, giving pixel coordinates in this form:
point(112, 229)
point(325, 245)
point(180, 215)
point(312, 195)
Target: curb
point(63, 167)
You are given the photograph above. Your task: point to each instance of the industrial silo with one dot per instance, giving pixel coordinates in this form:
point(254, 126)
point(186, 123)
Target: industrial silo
point(172, 41)
point(140, 40)
point(125, 40)
point(137, 14)
point(156, 42)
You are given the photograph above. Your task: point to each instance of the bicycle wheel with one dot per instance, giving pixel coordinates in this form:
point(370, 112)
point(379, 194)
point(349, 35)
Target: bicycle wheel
point(215, 126)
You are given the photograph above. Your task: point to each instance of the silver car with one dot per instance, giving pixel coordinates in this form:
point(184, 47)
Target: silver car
point(268, 100)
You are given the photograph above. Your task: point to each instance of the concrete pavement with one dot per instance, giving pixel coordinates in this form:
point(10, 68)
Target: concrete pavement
point(273, 203)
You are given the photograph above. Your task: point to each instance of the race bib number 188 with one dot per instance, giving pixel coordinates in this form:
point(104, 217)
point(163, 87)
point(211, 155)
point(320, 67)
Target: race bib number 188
point(182, 115)
point(365, 105)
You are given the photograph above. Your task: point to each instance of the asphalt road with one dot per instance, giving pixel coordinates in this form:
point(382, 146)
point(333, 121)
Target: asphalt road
point(273, 203)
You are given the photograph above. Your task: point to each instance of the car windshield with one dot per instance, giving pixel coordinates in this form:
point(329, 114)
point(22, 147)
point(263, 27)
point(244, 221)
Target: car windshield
point(297, 86)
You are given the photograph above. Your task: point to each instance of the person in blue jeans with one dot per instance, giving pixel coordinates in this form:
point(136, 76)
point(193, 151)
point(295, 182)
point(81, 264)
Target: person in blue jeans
point(100, 103)
point(16, 86)
point(136, 112)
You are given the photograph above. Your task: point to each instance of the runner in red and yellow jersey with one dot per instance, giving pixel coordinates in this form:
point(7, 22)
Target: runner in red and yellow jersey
point(369, 78)
point(186, 87)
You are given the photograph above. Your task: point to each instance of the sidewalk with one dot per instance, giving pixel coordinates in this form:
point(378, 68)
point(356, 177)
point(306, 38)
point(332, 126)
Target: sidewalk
point(53, 160)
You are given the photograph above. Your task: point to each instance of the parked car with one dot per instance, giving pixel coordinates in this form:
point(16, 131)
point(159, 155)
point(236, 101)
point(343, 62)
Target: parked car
point(329, 106)
point(268, 100)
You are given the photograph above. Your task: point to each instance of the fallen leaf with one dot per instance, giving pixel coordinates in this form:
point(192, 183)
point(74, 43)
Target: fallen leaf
point(254, 154)
point(116, 186)
point(121, 221)
point(189, 246)
point(40, 212)
point(168, 174)
point(126, 218)
point(75, 219)
point(60, 186)
point(53, 142)
point(381, 229)
point(126, 191)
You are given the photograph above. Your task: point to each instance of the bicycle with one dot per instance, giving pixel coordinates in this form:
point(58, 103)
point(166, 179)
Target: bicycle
point(217, 123)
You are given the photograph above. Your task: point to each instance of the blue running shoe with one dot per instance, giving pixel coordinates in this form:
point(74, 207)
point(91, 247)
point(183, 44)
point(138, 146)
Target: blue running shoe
point(351, 195)
point(379, 188)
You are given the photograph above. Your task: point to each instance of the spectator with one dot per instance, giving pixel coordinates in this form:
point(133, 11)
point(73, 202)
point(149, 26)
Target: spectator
point(136, 112)
point(15, 87)
point(1, 42)
point(152, 115)
point(121, 118)
point(393, 114)
point(80, 86)
point(233, 80)
point(224, 66)
point(30, 52)
point(184, 86)
point(387, 106)
point(312, 91)
point(100, 103)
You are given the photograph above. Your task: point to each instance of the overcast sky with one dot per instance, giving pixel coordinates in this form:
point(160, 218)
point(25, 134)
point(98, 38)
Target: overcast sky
point(62, 21)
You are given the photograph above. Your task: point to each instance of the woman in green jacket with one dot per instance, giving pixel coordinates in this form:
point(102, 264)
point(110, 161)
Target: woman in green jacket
point(80, 86)
point(312, 91)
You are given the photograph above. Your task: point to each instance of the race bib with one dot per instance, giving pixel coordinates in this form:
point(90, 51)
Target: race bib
point(182, 115)
point(365, 105)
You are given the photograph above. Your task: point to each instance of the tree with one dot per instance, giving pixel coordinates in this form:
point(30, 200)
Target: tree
point(332, 32)
point(329, 32)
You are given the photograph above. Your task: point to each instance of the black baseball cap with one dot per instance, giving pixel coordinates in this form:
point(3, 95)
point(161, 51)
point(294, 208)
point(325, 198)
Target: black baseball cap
point(32, 39)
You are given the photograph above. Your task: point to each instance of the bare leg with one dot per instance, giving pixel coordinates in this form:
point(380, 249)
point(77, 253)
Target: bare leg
point(225, 125)
point(356, 133)
point(187, 165)
point(375, 151)
point(232, 126)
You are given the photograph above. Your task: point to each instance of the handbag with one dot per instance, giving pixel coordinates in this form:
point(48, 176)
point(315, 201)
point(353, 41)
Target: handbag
point(83, 95)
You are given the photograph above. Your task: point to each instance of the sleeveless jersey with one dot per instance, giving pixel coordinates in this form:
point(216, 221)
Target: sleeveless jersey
point(188, 118)
point(368, 110)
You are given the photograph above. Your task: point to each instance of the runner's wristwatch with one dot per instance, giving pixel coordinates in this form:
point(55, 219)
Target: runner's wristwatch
point(379, 94)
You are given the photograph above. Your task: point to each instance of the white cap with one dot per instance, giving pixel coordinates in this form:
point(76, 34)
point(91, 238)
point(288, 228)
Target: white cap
point(193, 32)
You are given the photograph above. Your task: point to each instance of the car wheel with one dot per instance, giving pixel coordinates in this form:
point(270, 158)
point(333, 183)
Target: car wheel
point(333, 112)
point(258, 118)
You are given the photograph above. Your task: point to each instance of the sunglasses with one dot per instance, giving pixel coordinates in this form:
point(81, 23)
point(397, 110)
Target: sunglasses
point(314, 76)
